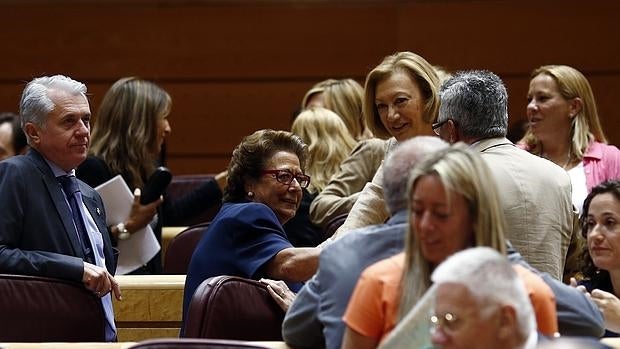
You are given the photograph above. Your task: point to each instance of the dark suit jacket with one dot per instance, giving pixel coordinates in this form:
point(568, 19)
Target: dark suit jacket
point(37, 235)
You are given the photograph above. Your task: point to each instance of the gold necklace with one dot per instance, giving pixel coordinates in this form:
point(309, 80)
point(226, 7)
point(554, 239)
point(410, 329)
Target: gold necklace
point(568, 159)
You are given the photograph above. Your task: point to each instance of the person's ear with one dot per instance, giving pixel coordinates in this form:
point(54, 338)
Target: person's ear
point(32, 131)
point(453, 132)
point(507, 323)
point(249, 186)
point(574, 107)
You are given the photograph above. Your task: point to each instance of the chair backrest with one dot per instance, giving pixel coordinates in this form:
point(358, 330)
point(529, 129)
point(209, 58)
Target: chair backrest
point(38, 309)
point(172, 343)
point(181, 247)
point(182, 185)
point(333, 225)
point(231, 307)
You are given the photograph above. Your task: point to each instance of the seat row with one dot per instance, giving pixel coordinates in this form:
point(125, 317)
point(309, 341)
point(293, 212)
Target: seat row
point(37, 309)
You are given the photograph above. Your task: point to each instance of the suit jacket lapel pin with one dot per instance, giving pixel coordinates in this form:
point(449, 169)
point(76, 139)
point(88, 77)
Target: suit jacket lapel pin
point(98, 211)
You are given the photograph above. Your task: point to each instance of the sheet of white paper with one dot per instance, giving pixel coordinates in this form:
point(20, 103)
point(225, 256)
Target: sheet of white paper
point(142, 245)
point(414, 330)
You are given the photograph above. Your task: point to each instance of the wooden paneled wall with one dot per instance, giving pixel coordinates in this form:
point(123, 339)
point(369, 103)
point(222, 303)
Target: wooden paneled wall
point(236, 66)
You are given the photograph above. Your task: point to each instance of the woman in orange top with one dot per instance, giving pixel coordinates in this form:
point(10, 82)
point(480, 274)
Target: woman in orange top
point(452, 207)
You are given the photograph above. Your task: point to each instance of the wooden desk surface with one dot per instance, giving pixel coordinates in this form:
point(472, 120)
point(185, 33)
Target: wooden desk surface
point(159, 282)
point(152, 306)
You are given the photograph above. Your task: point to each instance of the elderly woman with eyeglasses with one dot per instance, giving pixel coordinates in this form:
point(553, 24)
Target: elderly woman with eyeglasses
point(246, 238)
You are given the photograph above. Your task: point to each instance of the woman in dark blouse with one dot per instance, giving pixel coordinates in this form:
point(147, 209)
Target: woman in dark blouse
point(601, 228)
point(127, 137)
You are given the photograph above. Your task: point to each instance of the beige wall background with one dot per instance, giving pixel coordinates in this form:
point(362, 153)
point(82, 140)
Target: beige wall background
point(236, 66)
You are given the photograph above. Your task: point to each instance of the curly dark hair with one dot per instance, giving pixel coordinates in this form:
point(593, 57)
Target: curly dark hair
point(249, 157)
point(591, 271)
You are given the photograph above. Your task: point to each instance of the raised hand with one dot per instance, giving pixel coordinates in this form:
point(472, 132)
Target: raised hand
point(141, 215)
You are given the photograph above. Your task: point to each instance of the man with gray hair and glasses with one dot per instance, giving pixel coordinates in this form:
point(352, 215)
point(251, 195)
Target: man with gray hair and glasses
point(52, 224)
point(481, 303)
point(535, 193)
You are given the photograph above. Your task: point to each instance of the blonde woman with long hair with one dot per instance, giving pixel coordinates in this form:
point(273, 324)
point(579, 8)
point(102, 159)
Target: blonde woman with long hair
point(328, 140)
point(329, 143)
point(343, 97)
point(564, 127)
point(452, 207)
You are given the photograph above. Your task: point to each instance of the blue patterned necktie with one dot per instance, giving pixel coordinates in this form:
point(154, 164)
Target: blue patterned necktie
point(74, 197)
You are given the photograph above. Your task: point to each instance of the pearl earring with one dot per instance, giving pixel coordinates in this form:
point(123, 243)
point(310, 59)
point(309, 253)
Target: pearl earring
point(250, 194)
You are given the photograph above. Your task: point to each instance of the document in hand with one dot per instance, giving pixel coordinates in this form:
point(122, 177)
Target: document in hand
point(142, 245)
point(414, 330)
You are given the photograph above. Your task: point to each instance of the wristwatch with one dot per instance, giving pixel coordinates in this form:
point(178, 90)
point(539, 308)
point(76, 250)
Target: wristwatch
point(123, 233)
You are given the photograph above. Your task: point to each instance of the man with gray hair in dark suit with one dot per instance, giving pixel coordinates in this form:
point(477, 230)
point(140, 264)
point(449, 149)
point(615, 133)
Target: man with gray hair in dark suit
point(52, 224)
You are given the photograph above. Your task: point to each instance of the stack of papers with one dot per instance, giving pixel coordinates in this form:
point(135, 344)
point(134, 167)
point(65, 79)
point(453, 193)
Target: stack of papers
point(142, 246)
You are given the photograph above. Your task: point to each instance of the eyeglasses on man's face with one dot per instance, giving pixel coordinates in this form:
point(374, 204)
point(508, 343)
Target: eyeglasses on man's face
point(448, 321)
point(437, 125)
point(286, 177)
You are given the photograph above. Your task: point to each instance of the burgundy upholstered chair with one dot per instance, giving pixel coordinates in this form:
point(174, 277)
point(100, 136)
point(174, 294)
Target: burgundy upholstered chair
point(231, 307)
point(181, 247)
point(184, 184)
point(38, 309)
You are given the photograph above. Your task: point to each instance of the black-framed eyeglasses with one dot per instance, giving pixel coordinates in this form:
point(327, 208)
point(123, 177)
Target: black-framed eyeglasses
point(286, 177)
point(437, 125)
